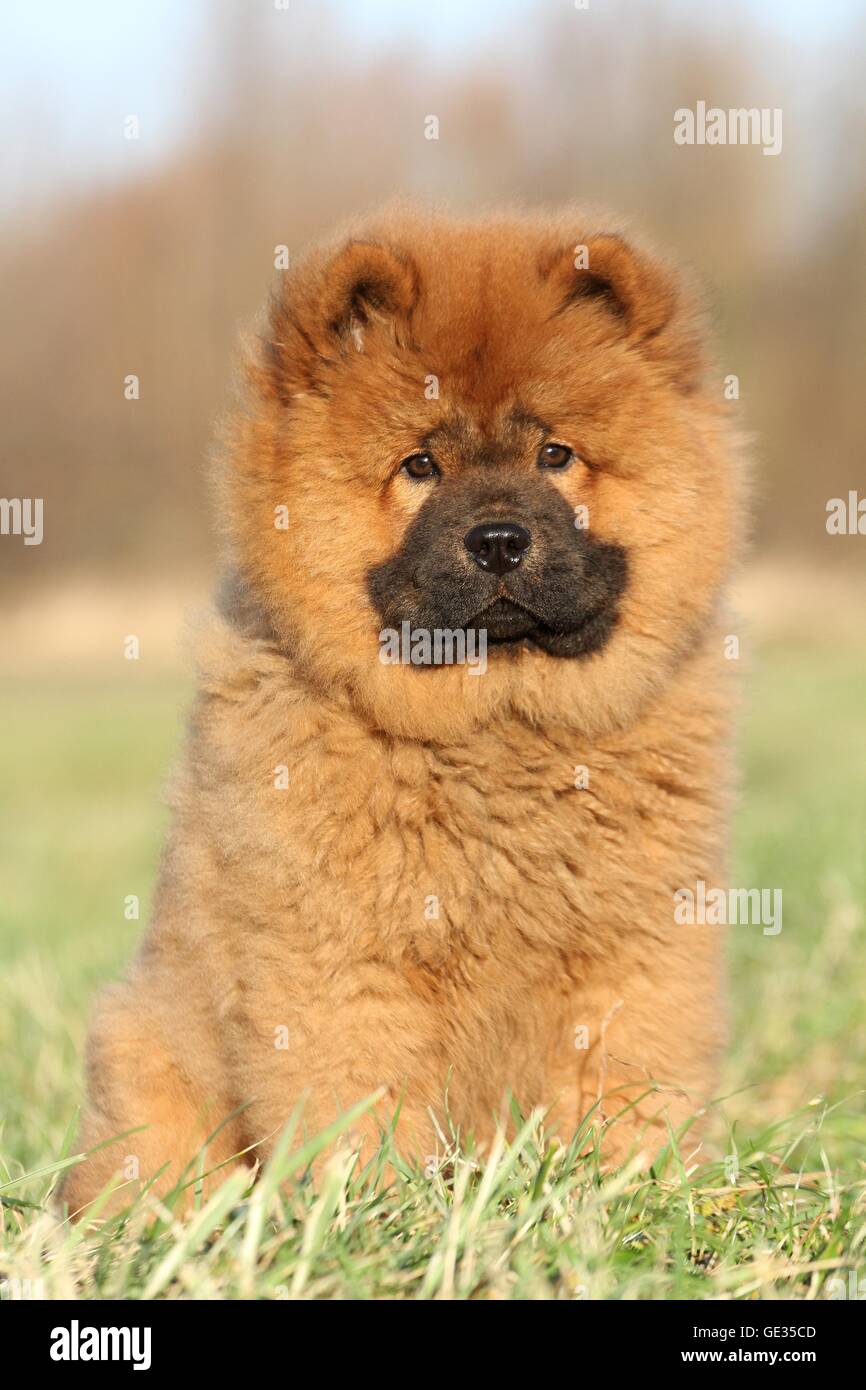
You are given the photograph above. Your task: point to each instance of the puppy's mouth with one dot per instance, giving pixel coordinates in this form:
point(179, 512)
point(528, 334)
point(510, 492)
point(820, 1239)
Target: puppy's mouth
point(505, 619)
point(512, 622)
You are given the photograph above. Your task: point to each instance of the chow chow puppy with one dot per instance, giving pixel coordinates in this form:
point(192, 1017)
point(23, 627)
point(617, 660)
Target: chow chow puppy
point(416, 875)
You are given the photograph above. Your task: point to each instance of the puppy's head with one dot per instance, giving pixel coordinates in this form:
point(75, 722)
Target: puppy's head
point(495, 429)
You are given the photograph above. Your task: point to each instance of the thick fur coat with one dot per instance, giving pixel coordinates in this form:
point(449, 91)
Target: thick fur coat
point(386, 878)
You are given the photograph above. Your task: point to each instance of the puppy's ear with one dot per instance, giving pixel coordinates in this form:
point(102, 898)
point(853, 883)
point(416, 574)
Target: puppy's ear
point(363, 283)
point(639, 294)
point(331, 309)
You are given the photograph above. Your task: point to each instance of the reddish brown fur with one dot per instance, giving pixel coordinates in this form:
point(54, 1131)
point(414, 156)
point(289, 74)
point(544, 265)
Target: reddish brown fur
point(306, 907)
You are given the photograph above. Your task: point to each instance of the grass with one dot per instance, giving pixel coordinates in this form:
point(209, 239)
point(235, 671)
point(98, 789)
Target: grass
point(81, 770)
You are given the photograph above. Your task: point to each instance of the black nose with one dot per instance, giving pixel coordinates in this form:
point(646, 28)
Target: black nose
point(497, 545)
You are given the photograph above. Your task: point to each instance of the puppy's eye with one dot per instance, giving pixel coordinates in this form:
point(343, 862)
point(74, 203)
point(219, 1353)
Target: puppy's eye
point(555, 456)
point(420, 466)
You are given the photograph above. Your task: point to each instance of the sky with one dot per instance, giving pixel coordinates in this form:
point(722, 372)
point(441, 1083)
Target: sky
point(70, 72)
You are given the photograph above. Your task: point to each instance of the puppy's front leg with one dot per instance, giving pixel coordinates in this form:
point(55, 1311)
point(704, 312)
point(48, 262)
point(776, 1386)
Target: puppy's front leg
point(356, 1036)
point(640, 1054)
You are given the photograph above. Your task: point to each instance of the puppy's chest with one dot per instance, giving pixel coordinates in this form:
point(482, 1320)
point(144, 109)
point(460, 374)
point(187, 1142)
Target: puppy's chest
point(521, 845)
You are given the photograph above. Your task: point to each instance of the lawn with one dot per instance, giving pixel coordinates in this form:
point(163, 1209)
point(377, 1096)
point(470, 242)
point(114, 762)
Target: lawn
point(778, 1212)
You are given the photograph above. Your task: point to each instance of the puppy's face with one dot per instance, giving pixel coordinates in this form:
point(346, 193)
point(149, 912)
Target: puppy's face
point(495, 546)
point(490, 428)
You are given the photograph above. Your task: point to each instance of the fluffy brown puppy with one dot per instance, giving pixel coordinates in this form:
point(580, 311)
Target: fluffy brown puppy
point(382, 874)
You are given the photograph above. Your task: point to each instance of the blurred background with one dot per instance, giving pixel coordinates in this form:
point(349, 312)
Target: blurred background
point(258, 124)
